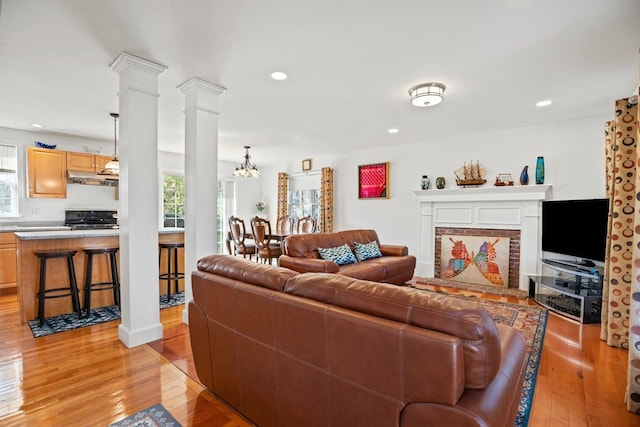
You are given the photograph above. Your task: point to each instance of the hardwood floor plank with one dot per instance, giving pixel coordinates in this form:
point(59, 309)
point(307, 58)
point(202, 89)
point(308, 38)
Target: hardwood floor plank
point(88, 377)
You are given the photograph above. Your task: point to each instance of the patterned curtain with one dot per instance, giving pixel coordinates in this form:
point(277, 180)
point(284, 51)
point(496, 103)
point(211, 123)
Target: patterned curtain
point(283, 187)
point(621, 291)
point(326, 201)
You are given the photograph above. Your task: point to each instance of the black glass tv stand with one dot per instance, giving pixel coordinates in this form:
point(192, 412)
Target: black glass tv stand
point(571, 289)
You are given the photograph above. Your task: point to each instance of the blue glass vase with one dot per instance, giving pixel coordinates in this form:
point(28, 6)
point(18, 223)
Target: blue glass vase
point(540, 170)
point(524, 176)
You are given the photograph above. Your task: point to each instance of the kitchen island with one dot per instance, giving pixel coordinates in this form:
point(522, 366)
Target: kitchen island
point(27, 243)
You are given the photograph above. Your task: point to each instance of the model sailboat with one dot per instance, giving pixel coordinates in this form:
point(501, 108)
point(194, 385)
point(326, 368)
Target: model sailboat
point(470, 175)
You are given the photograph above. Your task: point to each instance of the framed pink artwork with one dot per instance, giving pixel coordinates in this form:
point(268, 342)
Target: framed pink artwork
point(373, 181)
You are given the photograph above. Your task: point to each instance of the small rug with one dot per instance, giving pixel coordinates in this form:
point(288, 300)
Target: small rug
point(531, 321)
point(155, 416)
point(67, 322)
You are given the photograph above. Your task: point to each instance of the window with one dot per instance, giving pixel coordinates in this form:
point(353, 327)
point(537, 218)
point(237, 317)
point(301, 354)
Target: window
point(173, 201)
point(8, 180)
point(226, 208)
point(173, 205)
point(303, 197)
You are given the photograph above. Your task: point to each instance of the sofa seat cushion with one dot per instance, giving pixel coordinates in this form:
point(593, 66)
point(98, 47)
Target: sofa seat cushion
point(393, 267)
point(363, 270)
point(453, 316)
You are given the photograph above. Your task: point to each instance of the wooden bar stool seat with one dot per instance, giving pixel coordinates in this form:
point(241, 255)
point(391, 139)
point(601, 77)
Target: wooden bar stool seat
point(89, 285)
point(173, 273)
point(70, 291)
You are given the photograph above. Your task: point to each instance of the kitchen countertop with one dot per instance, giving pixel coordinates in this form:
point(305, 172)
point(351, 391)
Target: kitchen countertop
point(67, 233)
point(25, 228)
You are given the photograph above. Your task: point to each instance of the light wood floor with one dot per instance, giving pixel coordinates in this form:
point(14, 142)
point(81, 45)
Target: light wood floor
point(87, 377)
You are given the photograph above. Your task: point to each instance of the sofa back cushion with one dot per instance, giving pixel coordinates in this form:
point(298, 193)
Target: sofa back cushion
point(235, 268)
point(306, 245)
point(453, 316)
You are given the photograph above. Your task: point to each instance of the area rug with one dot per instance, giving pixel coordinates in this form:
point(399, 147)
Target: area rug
point(69, 321)
point(155, 416)
point(531, 321)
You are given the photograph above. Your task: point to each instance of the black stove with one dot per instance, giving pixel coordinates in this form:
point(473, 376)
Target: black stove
point(89, 219)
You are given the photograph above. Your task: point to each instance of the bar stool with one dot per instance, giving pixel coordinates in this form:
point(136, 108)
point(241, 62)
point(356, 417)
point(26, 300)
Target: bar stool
point(71, 290)
point(173, 273)
point(114, 284)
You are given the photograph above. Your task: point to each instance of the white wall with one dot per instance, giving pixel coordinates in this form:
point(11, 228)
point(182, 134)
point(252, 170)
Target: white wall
point(573, 152)
point(574, 166)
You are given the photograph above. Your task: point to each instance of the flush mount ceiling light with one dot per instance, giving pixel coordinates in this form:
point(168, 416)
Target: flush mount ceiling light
point(279, 75)
point(112, 168)
point(37, 125)
point(247, 169)
point(427, 94)
point(544, 103)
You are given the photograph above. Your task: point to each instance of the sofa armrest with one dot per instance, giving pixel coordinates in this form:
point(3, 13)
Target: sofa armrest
point(308, 265)
point(394, 250)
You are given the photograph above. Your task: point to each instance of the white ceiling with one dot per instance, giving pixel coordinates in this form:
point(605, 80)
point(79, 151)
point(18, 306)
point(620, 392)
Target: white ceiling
point(350, 64)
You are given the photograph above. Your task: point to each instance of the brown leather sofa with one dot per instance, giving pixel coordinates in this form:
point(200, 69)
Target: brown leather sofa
point(316, 349)
point(300, 253)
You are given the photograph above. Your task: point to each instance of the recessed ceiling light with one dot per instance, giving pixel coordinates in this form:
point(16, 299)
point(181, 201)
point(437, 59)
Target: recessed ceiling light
point(544, 103)
point(393, 130)
point(37, 125)
point(279, 75)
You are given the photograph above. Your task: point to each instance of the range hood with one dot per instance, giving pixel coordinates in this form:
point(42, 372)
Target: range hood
point(90, 178)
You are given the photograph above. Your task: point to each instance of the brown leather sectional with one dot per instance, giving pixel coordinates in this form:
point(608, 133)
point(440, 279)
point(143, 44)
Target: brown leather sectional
point(316, 349)
point(300, 253)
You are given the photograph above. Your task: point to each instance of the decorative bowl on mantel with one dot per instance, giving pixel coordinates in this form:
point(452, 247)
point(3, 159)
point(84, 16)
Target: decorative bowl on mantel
point(43, 145)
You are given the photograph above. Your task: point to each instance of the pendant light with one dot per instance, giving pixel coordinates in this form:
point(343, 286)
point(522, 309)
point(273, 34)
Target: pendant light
point(112, 169)
point(247, 169)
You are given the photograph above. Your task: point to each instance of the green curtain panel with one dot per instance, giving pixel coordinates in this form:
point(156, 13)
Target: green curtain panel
point(621, 292)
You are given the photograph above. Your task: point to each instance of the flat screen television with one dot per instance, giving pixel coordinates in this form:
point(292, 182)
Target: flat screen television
point(575, 228)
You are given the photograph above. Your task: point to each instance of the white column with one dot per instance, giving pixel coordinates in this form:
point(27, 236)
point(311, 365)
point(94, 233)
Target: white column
point(138, 198)
point(200, 176)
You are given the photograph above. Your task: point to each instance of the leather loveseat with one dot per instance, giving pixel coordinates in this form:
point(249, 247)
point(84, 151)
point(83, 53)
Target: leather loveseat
point(317, 349)
point(300, 253)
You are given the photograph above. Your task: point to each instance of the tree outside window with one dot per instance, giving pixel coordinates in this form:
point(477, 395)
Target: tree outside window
point(8, 181)
point(173, 201)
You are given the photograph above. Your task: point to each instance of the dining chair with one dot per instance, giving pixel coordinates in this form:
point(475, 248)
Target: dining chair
point(267, 250)
point(238, 232)
point(284, 225)
point(307, 224)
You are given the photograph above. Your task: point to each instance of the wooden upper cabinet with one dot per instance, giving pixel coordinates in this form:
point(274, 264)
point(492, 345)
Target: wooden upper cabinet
point(81, 161)
point(86, 162)
point(47, 173)
point(101, 162)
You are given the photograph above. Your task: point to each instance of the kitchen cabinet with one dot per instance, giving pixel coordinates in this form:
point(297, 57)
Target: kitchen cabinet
point(86, 162)
point(7, 261)
point(47, 170)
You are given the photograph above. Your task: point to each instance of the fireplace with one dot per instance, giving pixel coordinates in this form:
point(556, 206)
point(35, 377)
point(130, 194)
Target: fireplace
point(509, 269)
point(492, 212)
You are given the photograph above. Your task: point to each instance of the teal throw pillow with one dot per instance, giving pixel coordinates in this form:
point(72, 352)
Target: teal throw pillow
point(365, 251)
point(341, 255)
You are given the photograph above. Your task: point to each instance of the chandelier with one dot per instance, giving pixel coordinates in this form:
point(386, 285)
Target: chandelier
point(247, 169)
point(112, 168)
point(427, 94)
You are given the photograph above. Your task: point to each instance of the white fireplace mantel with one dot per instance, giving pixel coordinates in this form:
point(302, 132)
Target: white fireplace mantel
point(509, 207)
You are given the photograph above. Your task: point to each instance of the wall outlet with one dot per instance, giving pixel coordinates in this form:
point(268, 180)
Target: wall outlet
point(34, 211)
